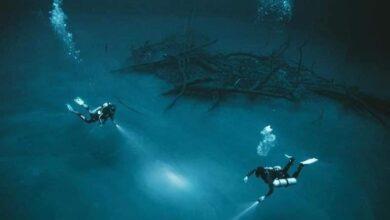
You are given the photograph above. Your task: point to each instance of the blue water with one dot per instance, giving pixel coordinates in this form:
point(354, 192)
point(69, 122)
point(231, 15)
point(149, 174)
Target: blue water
point(186, 163)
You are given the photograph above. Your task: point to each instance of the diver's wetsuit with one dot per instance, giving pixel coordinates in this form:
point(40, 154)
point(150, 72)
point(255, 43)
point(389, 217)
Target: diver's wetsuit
point(100, 114)
point(269, 174)
point(93, 116)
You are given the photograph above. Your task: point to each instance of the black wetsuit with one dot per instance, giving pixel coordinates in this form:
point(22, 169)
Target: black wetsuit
point(101, 114)
point(269, 174)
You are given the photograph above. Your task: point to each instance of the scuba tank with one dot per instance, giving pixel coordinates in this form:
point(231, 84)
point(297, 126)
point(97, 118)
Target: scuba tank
point(107, 110)
point(284, 182)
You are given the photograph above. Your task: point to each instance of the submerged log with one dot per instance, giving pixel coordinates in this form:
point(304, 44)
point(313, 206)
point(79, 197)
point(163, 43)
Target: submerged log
point(193, 70)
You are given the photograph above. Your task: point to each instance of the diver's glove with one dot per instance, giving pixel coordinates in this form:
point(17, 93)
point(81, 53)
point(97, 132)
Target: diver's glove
point(246, 179)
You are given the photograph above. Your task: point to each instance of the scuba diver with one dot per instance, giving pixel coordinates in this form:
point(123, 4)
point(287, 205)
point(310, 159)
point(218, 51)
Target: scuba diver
point(100, 114)
point(277, 176)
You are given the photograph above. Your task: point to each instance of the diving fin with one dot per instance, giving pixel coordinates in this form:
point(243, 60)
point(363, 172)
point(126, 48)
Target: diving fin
point(309, 161)
point(288, 156)
point(79, 101)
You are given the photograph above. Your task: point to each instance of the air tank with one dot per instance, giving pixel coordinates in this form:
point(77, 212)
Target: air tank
point(284, 182)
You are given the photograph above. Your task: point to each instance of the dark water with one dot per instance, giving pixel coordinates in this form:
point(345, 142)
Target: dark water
point(186, 163)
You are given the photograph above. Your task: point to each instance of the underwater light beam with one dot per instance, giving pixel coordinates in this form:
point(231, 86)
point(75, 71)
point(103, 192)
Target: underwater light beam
point(247, 210)
point(58, 22)
point(175, 179)
point(166, 181)
point(126, 134)
point(131, 137)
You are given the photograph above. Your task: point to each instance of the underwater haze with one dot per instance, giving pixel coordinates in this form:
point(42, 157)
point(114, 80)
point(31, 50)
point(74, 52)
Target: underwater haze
point(189, 161)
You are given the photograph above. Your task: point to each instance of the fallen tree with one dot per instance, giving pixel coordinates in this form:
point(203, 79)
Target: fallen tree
point(185, 62)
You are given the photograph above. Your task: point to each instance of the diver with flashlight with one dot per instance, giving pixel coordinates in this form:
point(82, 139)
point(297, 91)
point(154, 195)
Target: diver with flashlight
point(100, 114)
point(277, 176)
